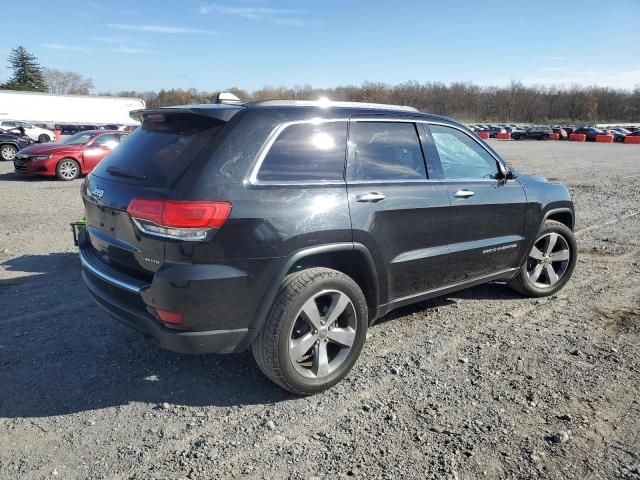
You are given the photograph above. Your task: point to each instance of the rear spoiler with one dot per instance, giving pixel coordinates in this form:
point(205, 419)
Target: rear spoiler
point(222, 112)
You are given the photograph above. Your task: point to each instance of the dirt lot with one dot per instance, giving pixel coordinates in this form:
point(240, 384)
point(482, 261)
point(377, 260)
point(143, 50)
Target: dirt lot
point(480, 383)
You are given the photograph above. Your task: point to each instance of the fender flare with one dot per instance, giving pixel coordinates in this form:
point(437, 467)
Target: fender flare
point(265, 304)
point(553, 211)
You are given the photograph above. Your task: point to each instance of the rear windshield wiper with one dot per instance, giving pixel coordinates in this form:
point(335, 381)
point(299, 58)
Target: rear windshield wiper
point(125, 173)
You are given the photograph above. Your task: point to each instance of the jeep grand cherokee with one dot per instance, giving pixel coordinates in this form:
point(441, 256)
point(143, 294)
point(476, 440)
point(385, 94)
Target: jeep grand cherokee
point(288, 227)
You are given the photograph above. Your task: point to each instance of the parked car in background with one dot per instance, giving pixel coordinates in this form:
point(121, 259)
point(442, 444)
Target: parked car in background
point(11, 143)
point(511, 129)
point(69, 159)
point(619, 133)
point(37, 134)
point(494, 130)
point(69, 129)
point(121, 128)
point(589, 132)
point(562, 133)
point(533, 133)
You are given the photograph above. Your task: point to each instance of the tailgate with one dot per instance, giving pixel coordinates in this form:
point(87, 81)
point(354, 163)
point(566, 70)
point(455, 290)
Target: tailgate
point(111, 230)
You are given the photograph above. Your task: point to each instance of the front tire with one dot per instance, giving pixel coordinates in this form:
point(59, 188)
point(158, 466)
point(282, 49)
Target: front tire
point(314, 332)
point(8, 152)
point(550, 263)
point(44, 138)
point(67, 169)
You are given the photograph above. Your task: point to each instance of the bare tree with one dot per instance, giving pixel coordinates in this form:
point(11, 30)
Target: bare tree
point(464, 101)
point(62, 83)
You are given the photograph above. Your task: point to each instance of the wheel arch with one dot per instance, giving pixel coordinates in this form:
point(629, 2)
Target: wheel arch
point(352, 259)
point(562, 215)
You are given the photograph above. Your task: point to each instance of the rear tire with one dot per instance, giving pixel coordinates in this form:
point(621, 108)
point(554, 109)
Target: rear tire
point(550, 263)
point(314, 332)
point(67, 169)
point(8, 152)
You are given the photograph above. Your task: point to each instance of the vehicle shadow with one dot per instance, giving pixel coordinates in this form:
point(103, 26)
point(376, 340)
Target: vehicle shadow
point(19, 177)
point(488, 291)
point(61, 354)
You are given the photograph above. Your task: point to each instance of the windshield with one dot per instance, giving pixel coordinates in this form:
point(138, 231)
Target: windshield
point(81, 138)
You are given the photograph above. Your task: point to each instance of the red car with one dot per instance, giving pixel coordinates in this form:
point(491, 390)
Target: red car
point(74, 156)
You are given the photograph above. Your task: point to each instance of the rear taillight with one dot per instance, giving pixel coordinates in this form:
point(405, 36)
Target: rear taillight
point(182, 220)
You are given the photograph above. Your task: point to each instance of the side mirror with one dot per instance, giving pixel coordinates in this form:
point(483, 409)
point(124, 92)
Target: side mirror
point(504, 173)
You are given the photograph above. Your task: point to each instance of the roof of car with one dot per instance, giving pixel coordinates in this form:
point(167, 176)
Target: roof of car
point(226, 111)
point(323, 103)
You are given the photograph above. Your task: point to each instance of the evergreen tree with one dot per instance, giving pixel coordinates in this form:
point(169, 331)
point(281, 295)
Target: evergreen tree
point(27, 74)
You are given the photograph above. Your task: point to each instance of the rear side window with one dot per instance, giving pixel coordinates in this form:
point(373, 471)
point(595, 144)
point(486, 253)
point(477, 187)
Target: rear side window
point(160, 150)
point(109, 140)
point(388, 151)
point(461, 156)
point(306, 152)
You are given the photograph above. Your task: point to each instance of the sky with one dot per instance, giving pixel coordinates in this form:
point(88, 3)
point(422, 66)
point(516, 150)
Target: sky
point(213, 45)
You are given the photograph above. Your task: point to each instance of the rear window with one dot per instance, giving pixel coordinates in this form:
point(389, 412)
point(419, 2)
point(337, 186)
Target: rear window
point(160, 150)
point(307, 152)
point(78, 139)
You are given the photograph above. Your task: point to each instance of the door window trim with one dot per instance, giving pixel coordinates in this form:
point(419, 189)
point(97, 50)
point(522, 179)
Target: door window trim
point(429, 152)
point(252, 178)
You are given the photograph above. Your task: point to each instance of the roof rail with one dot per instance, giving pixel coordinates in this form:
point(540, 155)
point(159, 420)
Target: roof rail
point(326, 103)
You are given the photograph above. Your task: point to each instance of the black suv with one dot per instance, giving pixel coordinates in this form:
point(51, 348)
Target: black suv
point(289, 227)
point(534, 133)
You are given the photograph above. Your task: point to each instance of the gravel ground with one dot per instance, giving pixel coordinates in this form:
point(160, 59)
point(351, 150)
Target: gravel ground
point(479, 383)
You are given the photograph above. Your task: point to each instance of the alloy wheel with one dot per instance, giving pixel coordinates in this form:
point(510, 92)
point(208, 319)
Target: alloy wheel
point(8, 152)
point(322, 334)
point(548, 260)
point(68, 170)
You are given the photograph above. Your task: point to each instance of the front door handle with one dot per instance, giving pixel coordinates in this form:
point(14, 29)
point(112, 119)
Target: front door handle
point(464, 194)
point(370, 197)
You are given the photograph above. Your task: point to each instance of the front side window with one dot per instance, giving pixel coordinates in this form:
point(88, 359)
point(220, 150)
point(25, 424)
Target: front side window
point(306, 152)
point(388, 151)
point(461, 156)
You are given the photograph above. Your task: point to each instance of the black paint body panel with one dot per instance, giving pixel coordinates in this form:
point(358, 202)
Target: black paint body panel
point(421, 239)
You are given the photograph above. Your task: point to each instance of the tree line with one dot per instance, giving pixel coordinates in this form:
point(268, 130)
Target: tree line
point(464, 101)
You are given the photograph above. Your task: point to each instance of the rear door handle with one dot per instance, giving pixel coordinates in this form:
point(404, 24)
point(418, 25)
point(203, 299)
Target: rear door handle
point(370, 197)
point(464, 194)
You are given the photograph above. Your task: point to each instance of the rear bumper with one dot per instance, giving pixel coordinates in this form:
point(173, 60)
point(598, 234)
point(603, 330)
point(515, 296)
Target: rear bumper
point(128, 300)
point(212, 341)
